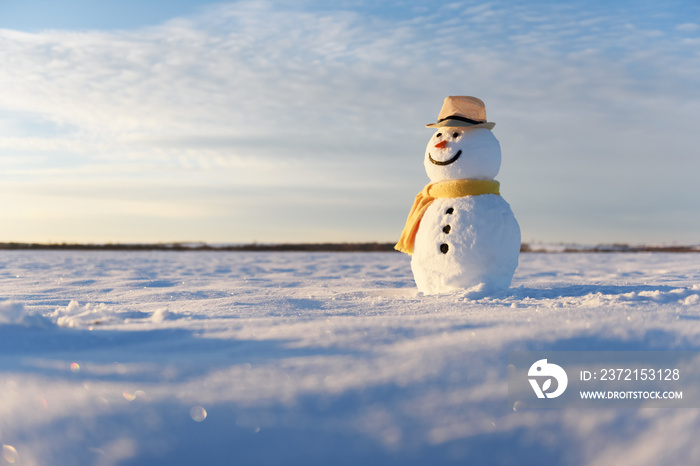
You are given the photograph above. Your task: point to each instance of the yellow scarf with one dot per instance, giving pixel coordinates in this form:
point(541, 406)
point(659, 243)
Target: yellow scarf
point(432, 191)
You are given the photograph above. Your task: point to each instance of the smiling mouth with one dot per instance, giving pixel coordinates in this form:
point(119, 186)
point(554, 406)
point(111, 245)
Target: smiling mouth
point(446, 162)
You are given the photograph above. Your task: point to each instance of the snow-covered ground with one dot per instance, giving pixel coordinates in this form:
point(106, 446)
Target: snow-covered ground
point(126, 358)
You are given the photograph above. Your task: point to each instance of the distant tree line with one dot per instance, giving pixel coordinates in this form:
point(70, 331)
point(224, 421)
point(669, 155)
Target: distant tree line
point(315, 247)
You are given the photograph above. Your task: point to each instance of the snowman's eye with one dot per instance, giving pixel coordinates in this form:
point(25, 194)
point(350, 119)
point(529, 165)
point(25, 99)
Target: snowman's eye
point(455, 135)
point(438, 135)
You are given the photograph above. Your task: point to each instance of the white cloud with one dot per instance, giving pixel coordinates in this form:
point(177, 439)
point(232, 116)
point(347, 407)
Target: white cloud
point(687, 27)
point(256, 95)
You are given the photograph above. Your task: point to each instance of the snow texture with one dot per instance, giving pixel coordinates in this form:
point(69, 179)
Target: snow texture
point(323, 358)
point(15, 314)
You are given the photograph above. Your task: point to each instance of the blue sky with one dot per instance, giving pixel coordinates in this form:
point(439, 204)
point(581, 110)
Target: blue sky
point(299, 121)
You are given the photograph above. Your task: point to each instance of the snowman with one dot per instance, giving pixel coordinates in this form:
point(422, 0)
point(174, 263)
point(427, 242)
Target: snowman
point(461, 232)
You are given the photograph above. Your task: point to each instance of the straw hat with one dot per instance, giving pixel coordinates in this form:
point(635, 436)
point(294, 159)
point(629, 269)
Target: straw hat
point(462, 111)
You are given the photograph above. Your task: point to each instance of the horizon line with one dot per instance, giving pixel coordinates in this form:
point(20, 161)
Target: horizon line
point(327, 247)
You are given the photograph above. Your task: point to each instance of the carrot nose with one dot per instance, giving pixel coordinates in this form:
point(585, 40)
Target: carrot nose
point(441, 144)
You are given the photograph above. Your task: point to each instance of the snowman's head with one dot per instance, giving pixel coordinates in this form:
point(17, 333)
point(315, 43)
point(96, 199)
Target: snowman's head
point(457, 153)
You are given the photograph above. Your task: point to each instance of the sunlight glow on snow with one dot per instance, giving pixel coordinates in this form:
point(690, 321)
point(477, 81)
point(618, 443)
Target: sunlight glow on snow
point(331, 350)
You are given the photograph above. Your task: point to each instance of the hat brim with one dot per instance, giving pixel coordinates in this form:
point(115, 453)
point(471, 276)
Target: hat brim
point(460, 124)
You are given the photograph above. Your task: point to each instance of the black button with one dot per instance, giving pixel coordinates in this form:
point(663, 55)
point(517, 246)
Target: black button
point(450, 210)
point(446, 229)
point(444, 248)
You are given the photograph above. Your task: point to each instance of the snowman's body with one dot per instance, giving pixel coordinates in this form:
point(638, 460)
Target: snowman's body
point(465, 242)
point(471, 241)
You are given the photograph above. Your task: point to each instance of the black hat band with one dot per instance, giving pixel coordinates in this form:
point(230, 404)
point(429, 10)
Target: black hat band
point(460, 118)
